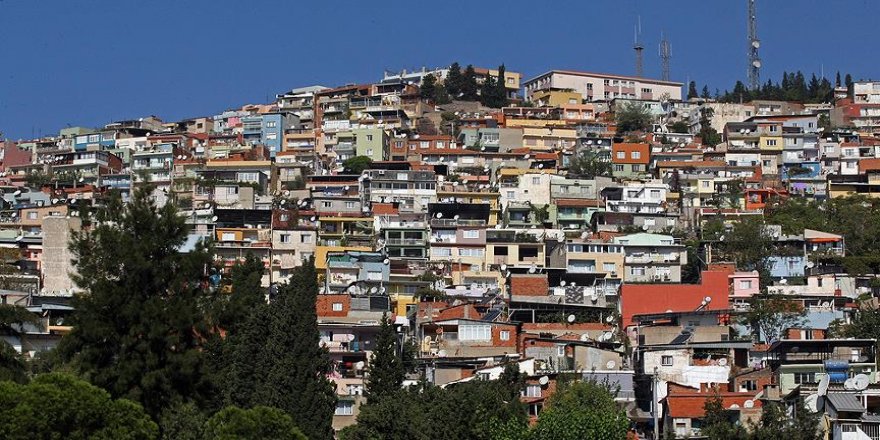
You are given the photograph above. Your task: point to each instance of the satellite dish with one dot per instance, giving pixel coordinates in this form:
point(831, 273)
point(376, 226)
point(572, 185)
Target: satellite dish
point(503, 267)
point(526, 157)
point(532, 269)
point(812, 402)
point(360, 365)
point(441, 353)
point(749, 403)
point(346, 187)
point(849, 384)
point(456, 217)
point(756, 44)
point(571, 319)
point(544, 380)
point(594, 297)
point(609, 319)
point(756, 63)
point(17, 193)
point(722, 362)
point(540, 166)
point(585, 337)
point(734, 406)
point(54, 201)
point(562, 283)
point(610, 365)
point(386, 261)
point(214, 218)
point(708, 299)
point(607, 336)
point(374, 289)
point(439, 215)
point(861, 381)
point(584, 235)
point(82, 179)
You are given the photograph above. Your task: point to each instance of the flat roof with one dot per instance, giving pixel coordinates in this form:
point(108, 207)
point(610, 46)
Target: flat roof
point(605, 75)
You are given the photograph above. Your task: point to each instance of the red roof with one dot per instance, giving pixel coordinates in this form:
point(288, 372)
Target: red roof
point(384, 209)
point(691, 405)
point(869, 164)
point(641, 299)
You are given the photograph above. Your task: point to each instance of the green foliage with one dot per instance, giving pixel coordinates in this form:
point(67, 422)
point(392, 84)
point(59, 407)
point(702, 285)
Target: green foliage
point(246, 292)
point(469, 84)
point(453, 81)
point(749, 245)
point(12, 364)
point(139, 325)
point(769, 316)
point(707, 134)
point(588, 165)
point(718, 423)
point(258, 423)
point(692, 90)
point(428, 87)
point(357, 164)
point(632, 117)
point(56, 406)
point(864, 324)
point(386, 372)
point(471, 410)
point(275, 359)
point(793, 87)
point(493, 92)
point(184, 421)
point(775, 423)
point(582, 411)
point(679, 127)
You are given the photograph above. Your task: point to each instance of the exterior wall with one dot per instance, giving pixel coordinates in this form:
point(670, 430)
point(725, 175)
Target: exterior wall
point(371, 142)
point(57, 257)
point(787, 267)
point(592, 86)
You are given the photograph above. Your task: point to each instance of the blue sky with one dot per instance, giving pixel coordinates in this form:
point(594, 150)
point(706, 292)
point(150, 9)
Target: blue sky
point(91, 62)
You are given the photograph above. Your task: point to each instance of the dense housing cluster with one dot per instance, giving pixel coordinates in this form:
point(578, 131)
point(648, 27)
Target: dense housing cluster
point(578, 223)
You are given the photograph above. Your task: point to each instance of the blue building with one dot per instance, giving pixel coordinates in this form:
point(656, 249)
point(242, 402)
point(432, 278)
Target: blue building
point(358, 273)
point(787, 266)
point(103, 140)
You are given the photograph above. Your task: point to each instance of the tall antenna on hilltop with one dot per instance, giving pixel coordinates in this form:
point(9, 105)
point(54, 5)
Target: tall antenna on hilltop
point(637, 46)
point(754, 44)
point(665, 56)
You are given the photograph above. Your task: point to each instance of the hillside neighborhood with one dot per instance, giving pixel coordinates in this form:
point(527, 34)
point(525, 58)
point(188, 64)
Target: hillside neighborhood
point(706, 255)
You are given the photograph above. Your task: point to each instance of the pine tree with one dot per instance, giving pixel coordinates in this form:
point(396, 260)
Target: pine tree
point(245, 293)
point(139, 324)
point(501, 88)
point(848, 81)
point(837, 79)
point(386, 369)
point(705, 94)
point(428, 87)
point(692, 90)
point(453, 81)
point(487, 92)
point(469, 84)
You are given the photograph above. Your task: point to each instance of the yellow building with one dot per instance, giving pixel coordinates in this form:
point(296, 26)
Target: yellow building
point(770, 143)
point(549, 138)
point(555, 98)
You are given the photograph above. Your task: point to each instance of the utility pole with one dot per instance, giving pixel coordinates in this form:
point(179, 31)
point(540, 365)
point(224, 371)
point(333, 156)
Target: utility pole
point(754, 61)
point(655, 406)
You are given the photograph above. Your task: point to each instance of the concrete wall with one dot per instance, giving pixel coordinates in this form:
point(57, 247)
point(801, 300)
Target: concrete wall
point(57, 265)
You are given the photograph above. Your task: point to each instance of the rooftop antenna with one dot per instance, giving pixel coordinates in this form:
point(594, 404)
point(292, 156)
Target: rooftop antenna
point(665, 56)
point(637, 46)
point(754, 44)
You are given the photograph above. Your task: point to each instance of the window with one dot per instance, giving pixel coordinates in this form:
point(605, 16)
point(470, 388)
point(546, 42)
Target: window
point(94, 138)
point(271, 136)
point(305, 238)
point(344, 408)
point(504, 335)
point(774, 129)
point(285, 238)
point(500, 250)
point(471, 233)
point(638, 168)
point(374, 275)
point(771, 142)
point(650, 222)
point(621, 154)
point(475, 332)
point(705, 184)
point(745, 284)
point(355, 389)
point(337, 307)
point(531, 390)
point(804, 378)
point(327, 204)
point(655, 193)
point(666, 360)
point(636, 154)
point(638, 271)
point(369, 152)
point(511, 194)
point(227, 236)
point(349, 205)
point(535, 409)
point(231, 190)
point(469, 252)
point(609, 267)
point(32, 215)
point(369, 137)
point(271, 124)
point(424, 144)
point(536, 180)
point(441, 252)
point(618, 168)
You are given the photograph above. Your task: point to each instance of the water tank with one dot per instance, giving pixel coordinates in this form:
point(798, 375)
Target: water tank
point(837, 377)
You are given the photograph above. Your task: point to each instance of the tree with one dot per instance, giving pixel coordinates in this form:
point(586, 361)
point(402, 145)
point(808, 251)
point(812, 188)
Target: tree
point(679, 127)
point(453, 82)
point(582, 410)
point(277, 360)
point(140, 321)
point(775, 423)
point(718, 424)
point(357, 164)
point(500, 91)
point(588, 165)
point(770, 316)
point(469, 84)
point(55, 406)
point(487, 92)
point(749, 245)
point(864, 324)
point(632, 117)
point(386, 372)
point(245, 293)
point(428, 88)
point(705, 94)
point(258, 423)
point(708, 135)
point(692, 90)
point(12, 363)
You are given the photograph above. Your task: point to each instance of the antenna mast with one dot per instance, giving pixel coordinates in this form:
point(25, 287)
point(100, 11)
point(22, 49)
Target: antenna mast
point(665, 56)
point(637, 46)
point(754, 44)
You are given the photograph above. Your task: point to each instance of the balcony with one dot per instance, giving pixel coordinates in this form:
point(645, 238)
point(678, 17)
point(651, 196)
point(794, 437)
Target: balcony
point(454, 223)
point(652, 258)
point(405, 242)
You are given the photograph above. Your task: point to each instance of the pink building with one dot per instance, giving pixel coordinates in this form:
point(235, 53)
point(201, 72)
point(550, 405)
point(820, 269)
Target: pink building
point(742, 286)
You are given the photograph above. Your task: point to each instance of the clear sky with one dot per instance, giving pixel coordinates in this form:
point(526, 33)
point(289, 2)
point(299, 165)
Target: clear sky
point(91, 62)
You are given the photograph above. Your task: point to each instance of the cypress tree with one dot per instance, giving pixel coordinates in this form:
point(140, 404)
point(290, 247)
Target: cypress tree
point(705, 94)
point(487, 92)
point(386, 369)
point(453, 81)
point(501, 88)
point(428, 87)
point(138, 325)
point(469, 84)
point(692, 90)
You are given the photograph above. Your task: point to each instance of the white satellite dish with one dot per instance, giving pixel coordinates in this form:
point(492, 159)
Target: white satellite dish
point(346, 188)
point(749, 403)
point(374, 290)
point(722, 362)
point(544, 380)
point(861, 382)
point(54, 201)
point(17, 193)
point(756, 44)
point(503, 267)
point(594, 297)
point(708, 299)
point(607, 336)
point(386, 261)
point(456, 217)
point(360, 365)
point(439, 215)
point(571, 319)
point(532, 269)
point(585, 337)
point(610, 365)
point(609, 319)
point(849, 384)
point(526, 157)
point(441, 353)
point(562, 283)
point(812, 402)
point(214, 218)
